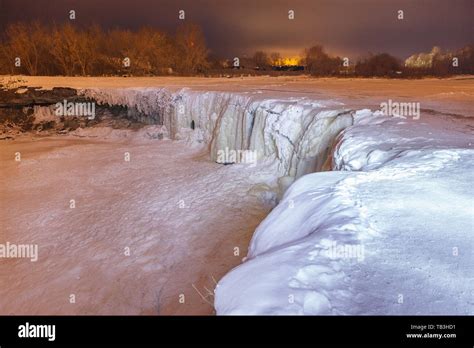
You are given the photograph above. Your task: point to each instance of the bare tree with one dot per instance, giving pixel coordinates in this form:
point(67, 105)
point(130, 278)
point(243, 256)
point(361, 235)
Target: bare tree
point(320, 63)
point(192, 50)
point(64, 40)
point(378, 65)
point(261, 60)
point(24, 42)
point(85, 52)
point(275, 57)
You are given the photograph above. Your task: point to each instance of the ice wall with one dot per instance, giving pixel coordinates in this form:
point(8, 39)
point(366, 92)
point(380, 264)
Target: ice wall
point(297, 133)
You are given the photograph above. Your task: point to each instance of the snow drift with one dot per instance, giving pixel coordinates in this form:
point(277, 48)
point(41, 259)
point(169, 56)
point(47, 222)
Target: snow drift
point(390, 232)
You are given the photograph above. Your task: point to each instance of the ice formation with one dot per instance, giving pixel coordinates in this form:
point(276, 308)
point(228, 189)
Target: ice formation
point(298, 134)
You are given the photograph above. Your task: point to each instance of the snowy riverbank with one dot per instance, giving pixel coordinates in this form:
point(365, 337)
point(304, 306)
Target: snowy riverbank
point(388, 231)
point(384, 233)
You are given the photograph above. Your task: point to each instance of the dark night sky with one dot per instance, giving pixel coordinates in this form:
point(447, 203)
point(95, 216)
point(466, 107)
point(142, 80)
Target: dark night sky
point(234, 27)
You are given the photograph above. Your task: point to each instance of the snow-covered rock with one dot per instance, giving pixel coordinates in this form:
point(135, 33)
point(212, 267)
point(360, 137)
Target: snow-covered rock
point(390, 231)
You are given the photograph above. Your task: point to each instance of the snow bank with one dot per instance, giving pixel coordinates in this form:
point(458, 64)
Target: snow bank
point(297, 133)
point(391, 232)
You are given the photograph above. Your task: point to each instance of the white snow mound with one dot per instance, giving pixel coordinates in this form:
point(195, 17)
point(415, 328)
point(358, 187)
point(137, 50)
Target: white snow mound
point(391, 232)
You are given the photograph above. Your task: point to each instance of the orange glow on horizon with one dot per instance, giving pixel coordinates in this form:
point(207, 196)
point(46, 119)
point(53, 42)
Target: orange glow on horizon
point(287, 61)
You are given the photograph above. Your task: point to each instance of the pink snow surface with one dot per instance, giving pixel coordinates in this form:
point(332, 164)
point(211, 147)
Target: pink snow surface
point(180, 214)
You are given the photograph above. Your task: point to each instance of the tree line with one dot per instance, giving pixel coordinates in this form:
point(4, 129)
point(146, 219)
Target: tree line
point(36, 49)
point(319, 63)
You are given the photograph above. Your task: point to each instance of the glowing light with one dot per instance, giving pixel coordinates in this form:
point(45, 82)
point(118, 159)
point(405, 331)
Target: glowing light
point(287, 61)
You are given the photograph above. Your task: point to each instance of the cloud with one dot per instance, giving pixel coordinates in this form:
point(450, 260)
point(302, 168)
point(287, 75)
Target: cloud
point(235, 27)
